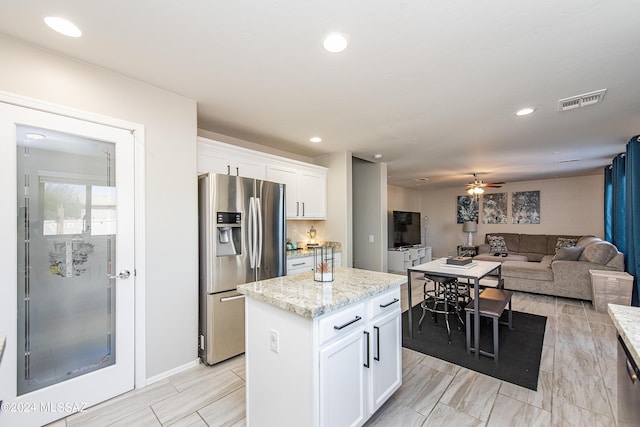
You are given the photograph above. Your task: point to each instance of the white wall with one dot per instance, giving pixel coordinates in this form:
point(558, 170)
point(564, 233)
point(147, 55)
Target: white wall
point(567, 206)
point(369, 215)
point(338, 226)
point(171, 227)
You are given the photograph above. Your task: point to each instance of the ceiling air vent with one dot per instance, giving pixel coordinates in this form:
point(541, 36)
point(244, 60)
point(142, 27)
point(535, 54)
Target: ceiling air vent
point(581, 100)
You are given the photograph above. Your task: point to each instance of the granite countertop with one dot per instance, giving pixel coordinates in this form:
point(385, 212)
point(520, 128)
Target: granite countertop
point(302, 295)
point(299, 253)
point(627, 321)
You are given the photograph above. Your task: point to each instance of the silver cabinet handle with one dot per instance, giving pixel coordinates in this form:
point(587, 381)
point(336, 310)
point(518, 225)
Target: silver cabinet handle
point(297, 264)
point(124, 274)
point(302, 208)
point(225, 299)
point(297, 208)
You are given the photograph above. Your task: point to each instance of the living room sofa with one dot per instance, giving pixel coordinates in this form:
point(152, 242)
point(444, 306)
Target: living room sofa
point(555, 267)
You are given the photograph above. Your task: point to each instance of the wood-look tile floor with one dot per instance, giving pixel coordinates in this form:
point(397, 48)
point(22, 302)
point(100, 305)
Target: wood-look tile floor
point(576, 386)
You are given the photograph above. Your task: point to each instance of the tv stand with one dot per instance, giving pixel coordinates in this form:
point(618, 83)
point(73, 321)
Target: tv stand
point(399, 259)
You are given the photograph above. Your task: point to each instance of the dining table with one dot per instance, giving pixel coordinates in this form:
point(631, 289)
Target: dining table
point(474, 272)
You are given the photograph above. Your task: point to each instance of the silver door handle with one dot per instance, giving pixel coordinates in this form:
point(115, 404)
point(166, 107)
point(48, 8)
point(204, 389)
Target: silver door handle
point(124, 274)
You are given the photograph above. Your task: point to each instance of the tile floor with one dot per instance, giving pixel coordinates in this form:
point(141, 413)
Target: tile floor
point(577, 385)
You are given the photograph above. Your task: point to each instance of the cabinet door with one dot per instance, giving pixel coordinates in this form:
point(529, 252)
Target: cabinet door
point(213, 162)
point(313, 195)
point(289, 177)
point(386, 358)
point(249, 168)
point(342, 393)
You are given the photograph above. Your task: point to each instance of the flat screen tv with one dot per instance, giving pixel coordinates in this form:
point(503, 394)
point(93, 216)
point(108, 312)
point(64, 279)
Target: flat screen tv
point(406, 229)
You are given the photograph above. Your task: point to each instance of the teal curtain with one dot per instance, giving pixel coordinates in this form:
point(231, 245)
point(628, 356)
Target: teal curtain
point(632, 207)
point(608, 204)
point(622, 208)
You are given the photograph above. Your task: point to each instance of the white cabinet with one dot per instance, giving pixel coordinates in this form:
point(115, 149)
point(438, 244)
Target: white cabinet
point(386, 364)
point(353, 383)
point(302, 264)
point(299, 265)
point(306, 190)
point(399, 260)
point(226, 159)
point(342, 367)
point(333, 370)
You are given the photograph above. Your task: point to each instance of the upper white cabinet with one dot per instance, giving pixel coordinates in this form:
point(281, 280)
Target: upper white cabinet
point(306, 191)
point(216, 157)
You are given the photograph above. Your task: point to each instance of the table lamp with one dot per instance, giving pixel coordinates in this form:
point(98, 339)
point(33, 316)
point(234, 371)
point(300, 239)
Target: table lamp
point(470, 227)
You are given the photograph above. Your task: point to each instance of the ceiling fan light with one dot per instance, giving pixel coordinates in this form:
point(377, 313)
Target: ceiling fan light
point(479, 190)
point(470, 191)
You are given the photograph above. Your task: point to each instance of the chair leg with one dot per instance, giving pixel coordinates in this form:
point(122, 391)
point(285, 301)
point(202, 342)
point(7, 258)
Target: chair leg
point(468, 327)
point(495, 339)
point(510, 316)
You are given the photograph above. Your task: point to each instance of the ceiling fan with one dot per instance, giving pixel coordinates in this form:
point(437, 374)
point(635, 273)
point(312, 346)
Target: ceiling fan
point(477, 186)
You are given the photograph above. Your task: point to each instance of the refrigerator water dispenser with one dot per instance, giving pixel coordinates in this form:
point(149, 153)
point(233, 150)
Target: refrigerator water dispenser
point(229, 234)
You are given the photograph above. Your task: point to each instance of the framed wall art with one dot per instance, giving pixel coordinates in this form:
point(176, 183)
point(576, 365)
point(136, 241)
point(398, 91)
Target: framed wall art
point(467, 209)
point(525, 207)
point(494, 208)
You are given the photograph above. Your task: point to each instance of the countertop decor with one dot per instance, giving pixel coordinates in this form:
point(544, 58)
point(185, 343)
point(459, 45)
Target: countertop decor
point(302, 295)
point(627, 321)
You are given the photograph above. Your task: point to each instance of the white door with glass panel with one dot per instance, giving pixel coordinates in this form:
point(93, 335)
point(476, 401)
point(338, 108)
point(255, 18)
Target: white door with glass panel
point(67, 306)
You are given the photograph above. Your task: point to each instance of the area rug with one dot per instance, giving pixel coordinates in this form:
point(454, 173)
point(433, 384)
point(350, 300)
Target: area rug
point(520, 348)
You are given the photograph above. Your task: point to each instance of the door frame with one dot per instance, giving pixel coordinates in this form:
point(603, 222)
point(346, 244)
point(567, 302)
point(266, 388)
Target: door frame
point(139, 136)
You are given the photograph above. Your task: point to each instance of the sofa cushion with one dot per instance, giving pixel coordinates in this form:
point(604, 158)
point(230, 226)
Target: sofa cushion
point(552, 241)
point(527, 270)
point(497, 244)
point(568, 253)
point(599, 252)
point(533, 243)
point(564, 242)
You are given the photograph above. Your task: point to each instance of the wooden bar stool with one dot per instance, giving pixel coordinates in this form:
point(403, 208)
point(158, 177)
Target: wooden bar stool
point(492, 302)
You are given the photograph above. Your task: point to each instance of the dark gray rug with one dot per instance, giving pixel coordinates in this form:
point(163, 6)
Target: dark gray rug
point(520, 348)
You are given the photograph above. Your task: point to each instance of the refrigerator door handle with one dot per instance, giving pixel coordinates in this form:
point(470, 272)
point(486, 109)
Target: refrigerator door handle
point(251, 232)
point(259, 227)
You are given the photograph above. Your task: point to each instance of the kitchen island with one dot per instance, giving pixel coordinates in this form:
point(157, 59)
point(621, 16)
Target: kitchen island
point(322, 353)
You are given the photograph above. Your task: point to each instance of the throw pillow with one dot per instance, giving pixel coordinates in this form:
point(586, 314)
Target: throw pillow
point(568, 253)
point(564, 242)
point(497, 244)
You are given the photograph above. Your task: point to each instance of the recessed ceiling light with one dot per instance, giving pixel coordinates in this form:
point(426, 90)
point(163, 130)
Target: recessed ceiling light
point(525, 111)
point(377, 156)
point(335, 43)
point(62, 26)
point(316, 139)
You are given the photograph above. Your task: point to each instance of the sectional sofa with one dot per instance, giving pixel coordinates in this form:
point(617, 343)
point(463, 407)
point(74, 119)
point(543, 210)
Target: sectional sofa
point(556, 264)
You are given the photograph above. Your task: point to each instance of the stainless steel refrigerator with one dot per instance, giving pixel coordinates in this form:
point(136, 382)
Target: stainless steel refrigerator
point(242, 239)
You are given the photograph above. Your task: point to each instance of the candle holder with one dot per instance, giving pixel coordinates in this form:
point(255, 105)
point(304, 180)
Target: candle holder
point(323, 264)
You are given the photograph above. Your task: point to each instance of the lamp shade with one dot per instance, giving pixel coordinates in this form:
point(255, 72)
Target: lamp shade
point(469, 227)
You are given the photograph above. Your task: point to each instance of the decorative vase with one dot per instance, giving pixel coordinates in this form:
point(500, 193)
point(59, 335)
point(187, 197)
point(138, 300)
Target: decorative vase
point(323, 264)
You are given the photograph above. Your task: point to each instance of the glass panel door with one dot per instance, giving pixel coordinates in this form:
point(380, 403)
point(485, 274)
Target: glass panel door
point(66, 249)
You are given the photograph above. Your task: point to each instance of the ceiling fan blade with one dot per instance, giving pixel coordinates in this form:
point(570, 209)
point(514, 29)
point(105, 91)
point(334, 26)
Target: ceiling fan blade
point(493, 186)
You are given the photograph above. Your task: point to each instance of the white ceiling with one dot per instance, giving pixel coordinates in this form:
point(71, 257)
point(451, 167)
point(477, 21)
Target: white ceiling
point(431, 85)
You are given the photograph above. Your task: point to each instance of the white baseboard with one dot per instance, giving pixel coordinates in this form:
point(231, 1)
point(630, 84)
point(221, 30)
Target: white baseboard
point(173, 371)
